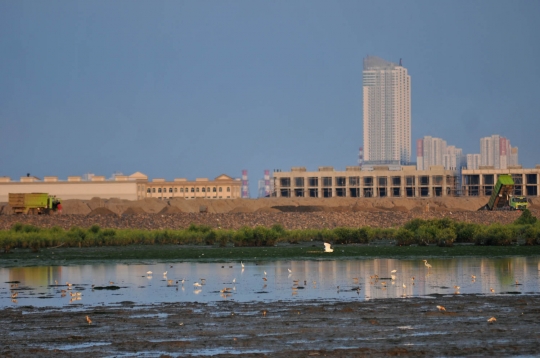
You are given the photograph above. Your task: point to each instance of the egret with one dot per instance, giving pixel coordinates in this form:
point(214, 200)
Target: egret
point(148, 272)
point(241, 263)
point(289, 270)
point(427, 265)
point(327, 247)
point(393, 271)
point(165, 273)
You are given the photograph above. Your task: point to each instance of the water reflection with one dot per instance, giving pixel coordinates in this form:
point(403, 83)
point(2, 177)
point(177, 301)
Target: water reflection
point(267, 281)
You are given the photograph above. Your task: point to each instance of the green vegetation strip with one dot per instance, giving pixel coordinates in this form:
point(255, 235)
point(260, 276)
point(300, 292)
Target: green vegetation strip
point(438, 237)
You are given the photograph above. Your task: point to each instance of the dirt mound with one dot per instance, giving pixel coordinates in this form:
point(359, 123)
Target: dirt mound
point(267, 210)
point(241, 209)
point(77, 207)
point(101, 211)
point(170, 210)
point(134, 210)
point(299, 208)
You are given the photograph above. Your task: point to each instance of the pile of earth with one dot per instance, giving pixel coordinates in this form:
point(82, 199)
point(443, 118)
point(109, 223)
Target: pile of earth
point(272, 205)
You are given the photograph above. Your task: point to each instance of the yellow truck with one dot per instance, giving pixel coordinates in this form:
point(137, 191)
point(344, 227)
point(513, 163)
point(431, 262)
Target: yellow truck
point(33, 203)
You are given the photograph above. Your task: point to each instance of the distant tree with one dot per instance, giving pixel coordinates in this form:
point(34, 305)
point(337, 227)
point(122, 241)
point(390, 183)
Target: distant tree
point(526, 218)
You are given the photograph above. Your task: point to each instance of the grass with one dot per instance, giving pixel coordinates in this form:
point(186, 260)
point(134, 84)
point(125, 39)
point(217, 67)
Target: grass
point(312, 251)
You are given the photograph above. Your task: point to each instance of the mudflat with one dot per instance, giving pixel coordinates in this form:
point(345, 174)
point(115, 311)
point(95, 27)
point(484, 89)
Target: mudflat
point(380, 328)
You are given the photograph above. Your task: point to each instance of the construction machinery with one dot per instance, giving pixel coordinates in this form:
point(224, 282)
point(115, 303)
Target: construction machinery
point(33, 203)
point(502, 198)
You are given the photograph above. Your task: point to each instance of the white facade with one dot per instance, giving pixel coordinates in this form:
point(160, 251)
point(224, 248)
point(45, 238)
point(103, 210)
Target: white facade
point(473, 161)
point(435, 151)
point(387, 112)
point(497, 152)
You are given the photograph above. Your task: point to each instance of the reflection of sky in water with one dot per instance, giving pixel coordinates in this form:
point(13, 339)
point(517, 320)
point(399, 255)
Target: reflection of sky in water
point(321, 280)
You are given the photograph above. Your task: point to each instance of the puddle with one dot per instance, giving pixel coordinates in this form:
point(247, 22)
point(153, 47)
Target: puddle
point(70, 347)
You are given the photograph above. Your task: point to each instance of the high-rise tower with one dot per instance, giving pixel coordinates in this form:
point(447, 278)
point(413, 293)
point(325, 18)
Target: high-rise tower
point(387, 112)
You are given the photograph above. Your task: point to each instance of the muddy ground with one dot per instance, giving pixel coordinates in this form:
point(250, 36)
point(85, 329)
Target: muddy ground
point(377, 328)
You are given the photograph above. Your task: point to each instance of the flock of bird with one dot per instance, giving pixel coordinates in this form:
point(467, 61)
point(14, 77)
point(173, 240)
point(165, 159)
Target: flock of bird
point(297, 285)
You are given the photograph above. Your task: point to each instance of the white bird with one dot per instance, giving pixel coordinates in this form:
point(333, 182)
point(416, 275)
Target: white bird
point(196, 284)
point(427, 265)
point(265, 273)
point(234, 280)
point(148, 272)
point(241, 263)
point(165, 273)
point(393, 271)
point(289, 270)
point(327, 247)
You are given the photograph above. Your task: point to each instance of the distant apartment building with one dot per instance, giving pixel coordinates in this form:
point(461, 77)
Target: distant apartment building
point(387, 112)
point(473, 161)
point(497, 152)
point(432, 151)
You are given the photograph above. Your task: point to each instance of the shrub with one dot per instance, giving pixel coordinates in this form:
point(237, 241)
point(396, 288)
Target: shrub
point(446, 237)
point(414, 224)
point(94, 229)
point(465, 232)
point(404, 237)
point(526, 218)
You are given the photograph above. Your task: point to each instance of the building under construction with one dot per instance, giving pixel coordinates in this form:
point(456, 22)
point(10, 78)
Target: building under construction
point(404, 182)
point(379, 181)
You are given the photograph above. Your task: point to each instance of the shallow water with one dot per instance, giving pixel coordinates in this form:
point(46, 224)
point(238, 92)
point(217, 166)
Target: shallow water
point(41, 286)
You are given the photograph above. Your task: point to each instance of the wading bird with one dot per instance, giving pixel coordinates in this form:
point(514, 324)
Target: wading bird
point(427, 265)
point(441, 308)
point(328, 247)
point(88, 320)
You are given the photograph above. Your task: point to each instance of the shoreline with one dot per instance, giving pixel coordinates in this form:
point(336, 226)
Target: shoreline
point(382, 327)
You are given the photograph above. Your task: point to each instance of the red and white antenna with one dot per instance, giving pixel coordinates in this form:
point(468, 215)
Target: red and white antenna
point(266, 183)
point(245, 184)
point(360, 156)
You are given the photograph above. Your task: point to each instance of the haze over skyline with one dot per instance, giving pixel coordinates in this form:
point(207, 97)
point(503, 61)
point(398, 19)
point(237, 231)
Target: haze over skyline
point(196, 89)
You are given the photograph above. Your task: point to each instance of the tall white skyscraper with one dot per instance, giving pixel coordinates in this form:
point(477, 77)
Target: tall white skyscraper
point(387, 112)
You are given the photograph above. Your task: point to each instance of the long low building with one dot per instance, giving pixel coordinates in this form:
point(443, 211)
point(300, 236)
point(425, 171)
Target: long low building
point(402, 181)
point(128, 187)
point(379, 181)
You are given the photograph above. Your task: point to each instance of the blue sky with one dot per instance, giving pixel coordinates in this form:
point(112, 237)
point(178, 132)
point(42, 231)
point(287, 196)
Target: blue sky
point(199, 88)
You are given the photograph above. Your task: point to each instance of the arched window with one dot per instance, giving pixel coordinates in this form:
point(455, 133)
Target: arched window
point(228, 189)
point(197, 189)
point(153, 190)
point(214, 189)
point(159, 190)
point(192, 189)
point(170, 190)
point(181, 190)
point(149, 190)
point(204, 190)
point(220, 189)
